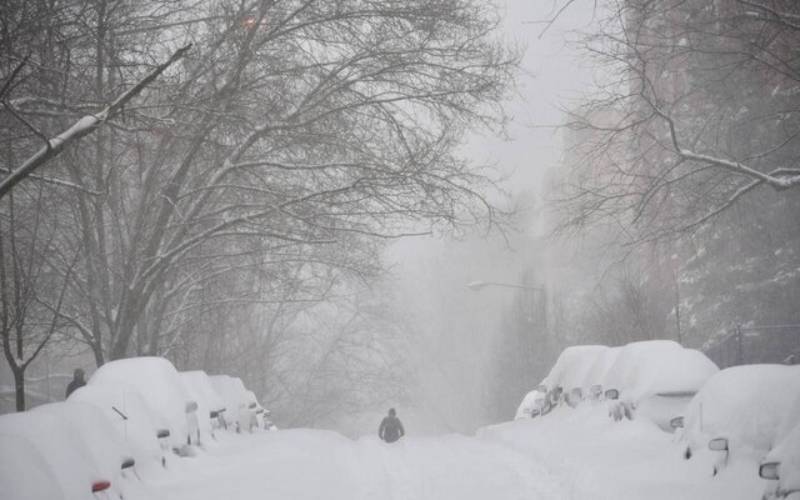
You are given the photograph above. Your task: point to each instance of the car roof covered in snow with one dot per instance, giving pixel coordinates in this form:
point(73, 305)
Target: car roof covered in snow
point(231, 389)
point(646, 368)
point(572, 366)
point(597, 373)
point(198, 385)
point(746, 405)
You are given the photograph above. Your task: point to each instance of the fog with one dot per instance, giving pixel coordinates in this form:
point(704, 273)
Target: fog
point(454, 329)
point(300, 198)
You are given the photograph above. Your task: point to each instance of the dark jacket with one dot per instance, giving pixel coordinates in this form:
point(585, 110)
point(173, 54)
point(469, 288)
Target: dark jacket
point(391, 429)
point(74, 385)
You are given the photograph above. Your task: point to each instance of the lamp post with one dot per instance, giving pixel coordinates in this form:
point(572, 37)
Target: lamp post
point(479, 285)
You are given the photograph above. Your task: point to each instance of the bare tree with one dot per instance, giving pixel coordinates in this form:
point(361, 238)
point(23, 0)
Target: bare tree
point(697, 111)
point(33, 281)
point(291, 125)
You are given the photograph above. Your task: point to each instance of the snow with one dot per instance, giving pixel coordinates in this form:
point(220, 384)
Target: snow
point(64, 448)
point(237, 400)
point(139, 425)
point(25, 473)
point(599, 369)
point(787, 454)
point(534, 400)
point(198, 386)
point(653, 367)
point(572, 367)
point(630, 460)
point(746, 405)
point(159, 384)
point(56, 451)
point(305, 464)
point(655, 378)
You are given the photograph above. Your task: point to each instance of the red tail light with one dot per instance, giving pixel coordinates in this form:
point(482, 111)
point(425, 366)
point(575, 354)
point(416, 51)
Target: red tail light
point(100, 486)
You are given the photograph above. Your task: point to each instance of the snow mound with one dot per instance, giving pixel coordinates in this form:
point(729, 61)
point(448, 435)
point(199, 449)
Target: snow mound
point(746, 405)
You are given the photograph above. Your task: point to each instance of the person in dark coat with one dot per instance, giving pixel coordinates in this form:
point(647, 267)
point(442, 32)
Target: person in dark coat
point(77, 381)
point(391, 428)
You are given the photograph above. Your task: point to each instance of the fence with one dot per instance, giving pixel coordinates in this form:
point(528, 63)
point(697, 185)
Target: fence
point(746, 345)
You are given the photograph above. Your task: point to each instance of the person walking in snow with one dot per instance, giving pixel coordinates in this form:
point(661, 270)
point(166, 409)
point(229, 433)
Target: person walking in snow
point(391, 428)
point(77, 381)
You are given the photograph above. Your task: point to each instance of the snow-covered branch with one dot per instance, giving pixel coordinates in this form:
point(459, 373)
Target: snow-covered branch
point(83, 127)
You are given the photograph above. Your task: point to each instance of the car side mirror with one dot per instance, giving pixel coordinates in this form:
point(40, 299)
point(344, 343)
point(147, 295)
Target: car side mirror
point(534, 413)
point(251, 406)
point(162, 433)
point(213, 414)
point(128, 463)
point(718, 444)
point(769, 470)
point(676, 423)
point(100, 485)
point(612, 394)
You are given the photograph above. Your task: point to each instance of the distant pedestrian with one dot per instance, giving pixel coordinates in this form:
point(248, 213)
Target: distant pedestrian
point(391, 428)
point(77, 381)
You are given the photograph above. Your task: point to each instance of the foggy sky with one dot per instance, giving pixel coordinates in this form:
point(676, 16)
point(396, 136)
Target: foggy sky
point(451, 321)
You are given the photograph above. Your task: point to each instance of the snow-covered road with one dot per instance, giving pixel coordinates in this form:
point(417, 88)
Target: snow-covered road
point(313, 464)
point(574, 454)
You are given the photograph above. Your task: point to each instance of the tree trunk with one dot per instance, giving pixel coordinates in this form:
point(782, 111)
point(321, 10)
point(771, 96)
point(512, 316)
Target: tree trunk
point(19, 387)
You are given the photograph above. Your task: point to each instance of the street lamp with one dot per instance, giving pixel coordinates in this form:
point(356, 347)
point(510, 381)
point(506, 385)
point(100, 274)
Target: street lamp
point(476, 286)
point(479, 285)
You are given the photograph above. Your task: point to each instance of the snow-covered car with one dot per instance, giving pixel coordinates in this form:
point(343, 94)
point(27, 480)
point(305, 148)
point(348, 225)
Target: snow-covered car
point(131, 416)
point(654, 379)
point(781, 466)
point(657, 379)
point(64, 450)
point(738, 413)
point(240, 413)
point(566, 381)
point(596, 374)
point(533, 404)
point(26, 473)
point(159, 384)
point(572, 367)
point(210, 405)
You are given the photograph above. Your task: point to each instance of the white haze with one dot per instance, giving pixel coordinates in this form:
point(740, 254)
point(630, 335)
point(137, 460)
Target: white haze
point(452, 327)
